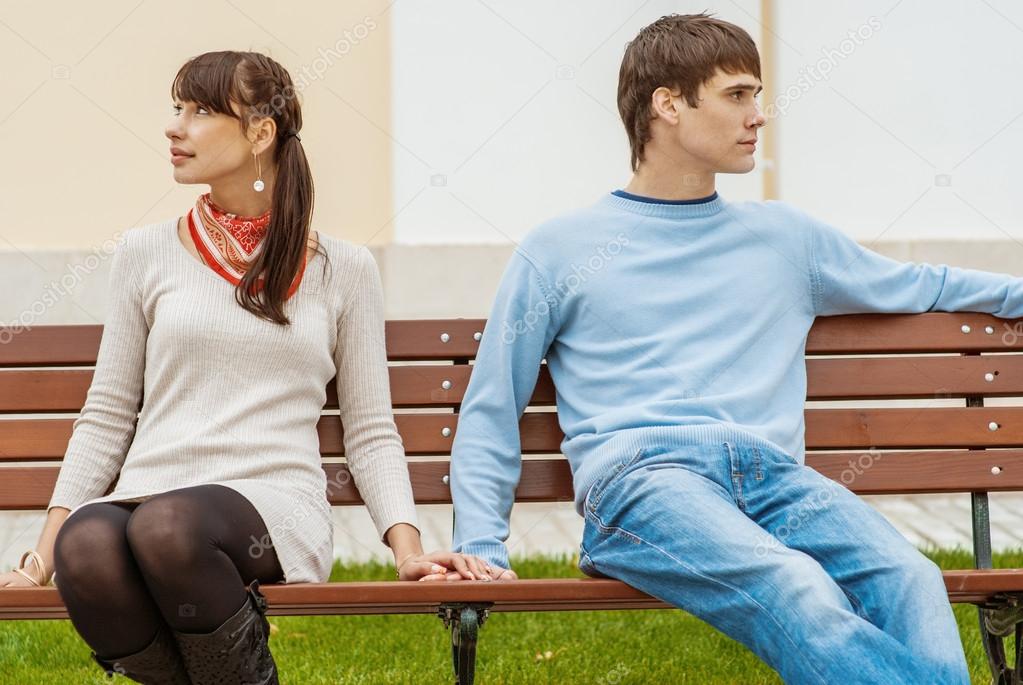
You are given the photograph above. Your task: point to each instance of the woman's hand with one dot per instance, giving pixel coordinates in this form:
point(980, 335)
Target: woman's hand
point(12, 579)
point(440, 565)
point(15, 579)
point(493, 573)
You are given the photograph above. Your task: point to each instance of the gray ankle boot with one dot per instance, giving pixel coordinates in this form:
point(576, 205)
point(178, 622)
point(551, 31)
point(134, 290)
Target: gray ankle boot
point(236, 653)
point(157, 664)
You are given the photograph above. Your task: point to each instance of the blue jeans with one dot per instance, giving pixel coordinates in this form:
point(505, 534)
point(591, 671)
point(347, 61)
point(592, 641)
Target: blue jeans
point(786, 561)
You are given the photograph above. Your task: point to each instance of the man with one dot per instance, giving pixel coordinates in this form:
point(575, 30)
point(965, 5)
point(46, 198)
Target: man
point(674, 325)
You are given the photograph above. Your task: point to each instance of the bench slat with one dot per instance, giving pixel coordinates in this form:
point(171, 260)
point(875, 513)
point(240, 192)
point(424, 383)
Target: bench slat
point(550, 479)
point(895, 428)
point(404, 597)
point(420, 339)
point(78, 344)
point(914, 333)
point(65, 390)
point(923, 427)
point(911, 377)
point(49, 345)
point(39, 391)
point(423, 434)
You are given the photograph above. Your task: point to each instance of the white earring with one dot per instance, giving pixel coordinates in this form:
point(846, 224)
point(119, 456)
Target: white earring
point(258, 184)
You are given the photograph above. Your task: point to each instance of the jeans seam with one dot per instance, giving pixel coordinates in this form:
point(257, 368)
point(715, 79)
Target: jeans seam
point(735, 469)
point(857, 605)
point(614, 530)
point(593, 498)
point(742, 592)
point(740, 498)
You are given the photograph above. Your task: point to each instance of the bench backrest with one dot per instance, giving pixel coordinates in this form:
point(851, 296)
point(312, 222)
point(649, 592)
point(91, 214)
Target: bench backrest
point(873, 420)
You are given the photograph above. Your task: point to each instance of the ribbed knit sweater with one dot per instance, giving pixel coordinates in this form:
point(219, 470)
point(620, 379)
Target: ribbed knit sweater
point(229, 398)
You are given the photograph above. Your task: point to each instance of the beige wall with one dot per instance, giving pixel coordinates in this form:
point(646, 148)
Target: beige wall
point(84, 99)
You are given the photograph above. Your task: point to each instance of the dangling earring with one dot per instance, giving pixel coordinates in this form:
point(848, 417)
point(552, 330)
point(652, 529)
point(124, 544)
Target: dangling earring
point(258, 184)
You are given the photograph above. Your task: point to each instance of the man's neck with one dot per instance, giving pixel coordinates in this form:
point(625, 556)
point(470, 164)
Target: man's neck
point(670, 184)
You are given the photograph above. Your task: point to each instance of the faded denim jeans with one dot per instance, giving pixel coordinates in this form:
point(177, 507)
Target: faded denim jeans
point(786, 561)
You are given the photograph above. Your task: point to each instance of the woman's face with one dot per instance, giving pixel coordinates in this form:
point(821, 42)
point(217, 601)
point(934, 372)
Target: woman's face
point(210, 148)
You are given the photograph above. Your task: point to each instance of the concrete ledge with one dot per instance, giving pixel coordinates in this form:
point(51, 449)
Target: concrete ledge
point(419, 281)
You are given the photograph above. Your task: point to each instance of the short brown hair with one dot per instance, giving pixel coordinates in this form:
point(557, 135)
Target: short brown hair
point(681, 52)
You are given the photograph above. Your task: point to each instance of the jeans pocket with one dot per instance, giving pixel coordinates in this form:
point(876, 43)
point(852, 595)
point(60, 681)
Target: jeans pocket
point(596, 490)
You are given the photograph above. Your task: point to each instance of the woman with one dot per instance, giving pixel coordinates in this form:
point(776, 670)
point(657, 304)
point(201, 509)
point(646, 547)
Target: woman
point(219, 320)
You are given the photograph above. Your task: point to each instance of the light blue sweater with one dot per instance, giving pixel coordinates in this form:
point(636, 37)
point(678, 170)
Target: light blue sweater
point(666, 325)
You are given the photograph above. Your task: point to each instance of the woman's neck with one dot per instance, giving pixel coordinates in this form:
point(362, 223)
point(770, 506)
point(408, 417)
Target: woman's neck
point(240, 199)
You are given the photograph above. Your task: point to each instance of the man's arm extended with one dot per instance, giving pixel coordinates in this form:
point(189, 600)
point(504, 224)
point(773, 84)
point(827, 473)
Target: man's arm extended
point(850, 279)
point(486, 457)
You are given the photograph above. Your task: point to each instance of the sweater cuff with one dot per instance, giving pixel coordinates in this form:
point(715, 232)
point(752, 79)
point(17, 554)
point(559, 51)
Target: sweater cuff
point(71, 495)
point(410, 519)
point(493, 553)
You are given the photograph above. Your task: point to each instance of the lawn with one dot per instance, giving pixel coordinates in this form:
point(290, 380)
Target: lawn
point(602, 648)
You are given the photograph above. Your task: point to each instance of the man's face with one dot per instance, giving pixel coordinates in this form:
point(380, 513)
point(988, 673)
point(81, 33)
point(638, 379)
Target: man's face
point(719, 135)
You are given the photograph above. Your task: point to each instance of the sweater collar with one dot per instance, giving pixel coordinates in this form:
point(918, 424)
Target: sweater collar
point(666, 210)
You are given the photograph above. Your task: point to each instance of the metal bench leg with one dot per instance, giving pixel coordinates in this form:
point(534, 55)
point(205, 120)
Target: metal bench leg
point(994, 647)
point(1004, 613)
point(1017, 668)
point(996, 624)
point(464, 621)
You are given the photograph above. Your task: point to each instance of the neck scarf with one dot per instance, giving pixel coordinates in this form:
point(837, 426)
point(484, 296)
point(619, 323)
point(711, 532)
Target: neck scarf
point(229, 243)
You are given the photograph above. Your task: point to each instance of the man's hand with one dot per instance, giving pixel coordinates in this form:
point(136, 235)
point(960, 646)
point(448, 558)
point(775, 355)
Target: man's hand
point(435, 564)
point(493, 573)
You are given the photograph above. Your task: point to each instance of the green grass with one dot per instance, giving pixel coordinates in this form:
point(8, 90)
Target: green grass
point(612, 647)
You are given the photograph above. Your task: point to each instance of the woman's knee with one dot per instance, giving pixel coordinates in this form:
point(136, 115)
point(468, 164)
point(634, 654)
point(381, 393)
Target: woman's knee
point(165, 534)
point(91, 545)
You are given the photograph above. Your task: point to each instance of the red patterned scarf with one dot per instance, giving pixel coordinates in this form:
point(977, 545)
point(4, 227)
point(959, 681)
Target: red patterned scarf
point(230, 243)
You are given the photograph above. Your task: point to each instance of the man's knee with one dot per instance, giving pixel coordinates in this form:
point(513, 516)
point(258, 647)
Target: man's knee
point(925, 588)
point(915, 572)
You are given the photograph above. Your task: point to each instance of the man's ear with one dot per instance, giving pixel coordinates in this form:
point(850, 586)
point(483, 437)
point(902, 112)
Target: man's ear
point(664, 105)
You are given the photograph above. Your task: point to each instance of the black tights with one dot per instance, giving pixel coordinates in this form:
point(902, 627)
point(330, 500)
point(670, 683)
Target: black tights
point(183, 557)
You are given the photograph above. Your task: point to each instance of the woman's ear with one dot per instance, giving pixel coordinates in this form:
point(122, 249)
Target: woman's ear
point(262, 133)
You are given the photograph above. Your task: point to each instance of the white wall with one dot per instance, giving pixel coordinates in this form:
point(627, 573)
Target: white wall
point(912, 135)
point(917, 132)
point(510, 109)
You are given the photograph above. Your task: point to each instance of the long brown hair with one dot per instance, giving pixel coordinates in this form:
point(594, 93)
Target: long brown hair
point(680, 52)
point(261, 88)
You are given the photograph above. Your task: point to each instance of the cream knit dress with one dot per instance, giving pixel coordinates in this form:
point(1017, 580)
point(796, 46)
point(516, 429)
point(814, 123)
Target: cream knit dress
point(232, 399)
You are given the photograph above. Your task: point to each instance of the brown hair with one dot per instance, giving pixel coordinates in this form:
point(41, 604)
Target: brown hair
point(261, 88)
point(681, 52)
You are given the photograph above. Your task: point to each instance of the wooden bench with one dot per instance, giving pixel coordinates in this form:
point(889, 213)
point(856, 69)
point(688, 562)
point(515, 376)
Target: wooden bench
point(967, 448)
